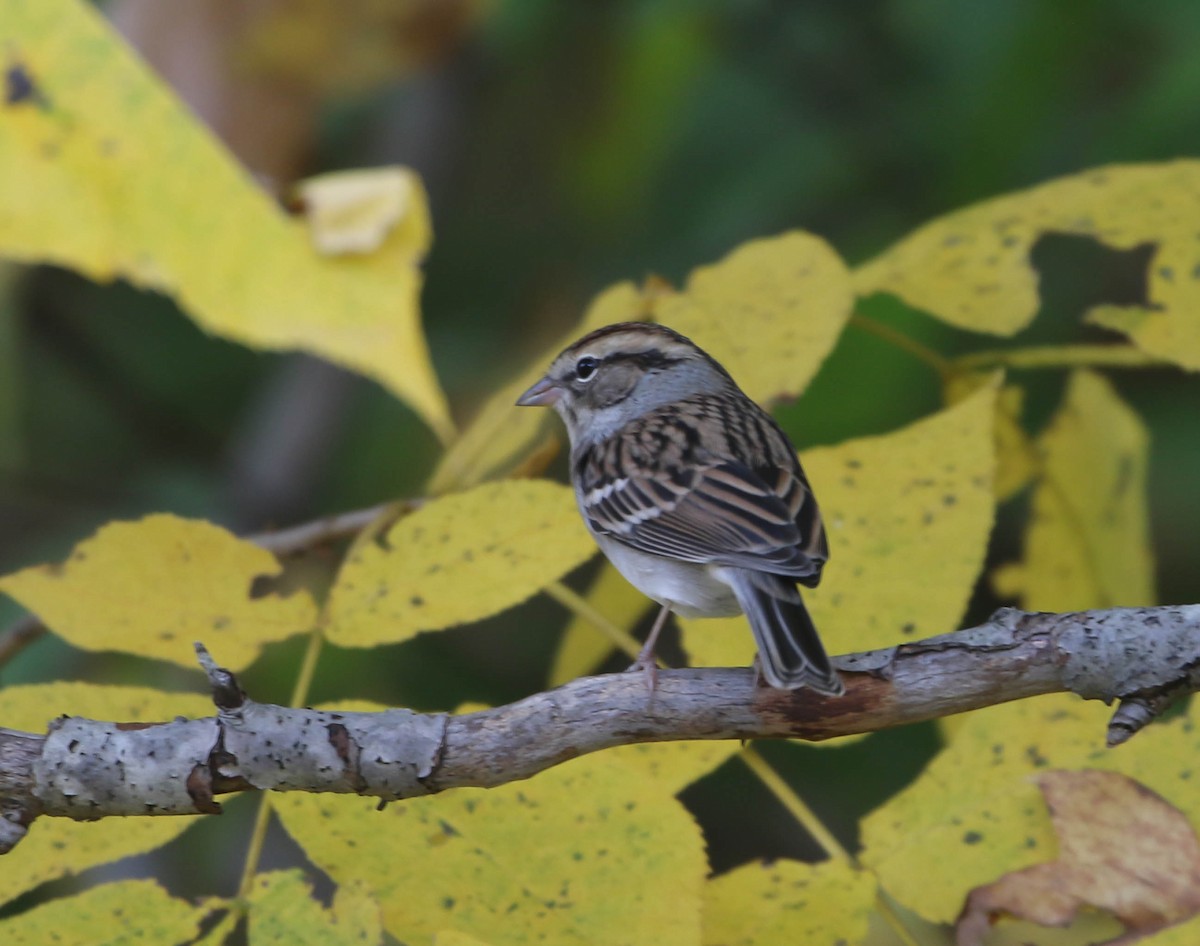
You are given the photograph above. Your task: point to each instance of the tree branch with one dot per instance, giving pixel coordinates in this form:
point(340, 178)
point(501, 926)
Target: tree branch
point(84, 769)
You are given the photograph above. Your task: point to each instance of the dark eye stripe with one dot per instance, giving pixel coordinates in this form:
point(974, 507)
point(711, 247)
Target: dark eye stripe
point(649, 360)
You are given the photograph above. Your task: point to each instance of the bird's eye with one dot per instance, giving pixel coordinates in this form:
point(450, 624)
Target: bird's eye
point(585, 368)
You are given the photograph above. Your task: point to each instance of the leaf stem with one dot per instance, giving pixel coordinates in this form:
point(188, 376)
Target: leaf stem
point(577, 604)
point(1060, 356)
point(258, 835)
point(887, 910)
point(262, 818)
point(799, 809)
point(308, 667)
point(795, 805)
point(935, 360)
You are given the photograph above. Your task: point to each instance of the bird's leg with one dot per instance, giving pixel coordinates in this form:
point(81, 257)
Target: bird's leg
point(645, 661)
point(759, 679)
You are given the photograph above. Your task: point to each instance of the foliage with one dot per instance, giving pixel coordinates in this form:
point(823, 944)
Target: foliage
point(96, 131)
point(103, 172)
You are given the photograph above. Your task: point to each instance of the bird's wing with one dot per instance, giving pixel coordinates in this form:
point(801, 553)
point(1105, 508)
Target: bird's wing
point(723, 513)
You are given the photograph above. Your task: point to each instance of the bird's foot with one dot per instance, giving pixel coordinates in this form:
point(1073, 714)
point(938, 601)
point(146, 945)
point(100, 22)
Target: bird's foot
point(648, 667)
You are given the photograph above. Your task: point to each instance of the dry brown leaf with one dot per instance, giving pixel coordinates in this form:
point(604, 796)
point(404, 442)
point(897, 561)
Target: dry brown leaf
point(1122, 849)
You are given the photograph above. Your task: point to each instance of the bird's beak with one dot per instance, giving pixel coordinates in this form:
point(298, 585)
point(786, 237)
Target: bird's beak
point(543, 394)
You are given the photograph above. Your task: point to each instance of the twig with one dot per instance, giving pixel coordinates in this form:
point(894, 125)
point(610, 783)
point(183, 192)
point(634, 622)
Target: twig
point(1062, 356)
point(19, 635)
point(29, 627)
point(344, 525)
point(935, 360)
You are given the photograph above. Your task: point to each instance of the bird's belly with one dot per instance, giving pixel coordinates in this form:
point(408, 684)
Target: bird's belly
point(690, 589)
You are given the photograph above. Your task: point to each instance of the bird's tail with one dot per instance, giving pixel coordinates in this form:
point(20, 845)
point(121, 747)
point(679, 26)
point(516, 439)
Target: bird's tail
point(790, 650)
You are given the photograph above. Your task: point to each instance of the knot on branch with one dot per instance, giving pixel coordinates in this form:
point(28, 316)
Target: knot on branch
point(227, 694)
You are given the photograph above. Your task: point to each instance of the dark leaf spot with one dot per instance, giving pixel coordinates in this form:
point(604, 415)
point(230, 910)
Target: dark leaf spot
point(20, 87)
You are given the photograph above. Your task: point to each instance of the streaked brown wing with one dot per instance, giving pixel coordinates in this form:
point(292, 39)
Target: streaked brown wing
point(793, 490)
point(724, 513)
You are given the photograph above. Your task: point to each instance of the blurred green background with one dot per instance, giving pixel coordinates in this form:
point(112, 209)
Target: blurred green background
point(567, 146)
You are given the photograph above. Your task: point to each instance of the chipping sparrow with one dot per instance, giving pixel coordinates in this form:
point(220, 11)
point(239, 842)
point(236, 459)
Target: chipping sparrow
point(692, 491)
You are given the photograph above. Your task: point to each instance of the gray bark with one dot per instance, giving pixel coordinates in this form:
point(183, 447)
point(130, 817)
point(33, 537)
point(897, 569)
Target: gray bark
point(87, 769)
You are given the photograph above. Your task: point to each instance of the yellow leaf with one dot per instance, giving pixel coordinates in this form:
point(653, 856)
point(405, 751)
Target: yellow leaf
point(717, 642)
point(675, 765)
point(1184, 934)
point(1087, 543)
point(1169, 334)
point(588, 852)
point(126, 913)
point(502, 434)
point(788, 902)
point(155, 586)
point(770, 312)
point(355, 211)
point(583, 645)
point(103, 171)
point(58, 847)
point(1016, 459)
point(459, 558)
point(283, 910)
point(453, 938)
point(972, 267)
point(975, 813)
point(908, 516)
point(222, 932)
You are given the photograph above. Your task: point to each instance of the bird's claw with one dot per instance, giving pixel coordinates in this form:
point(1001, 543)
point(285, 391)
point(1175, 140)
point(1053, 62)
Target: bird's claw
point(649, 667)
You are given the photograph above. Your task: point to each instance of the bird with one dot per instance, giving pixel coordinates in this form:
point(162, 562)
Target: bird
point(692, 491)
